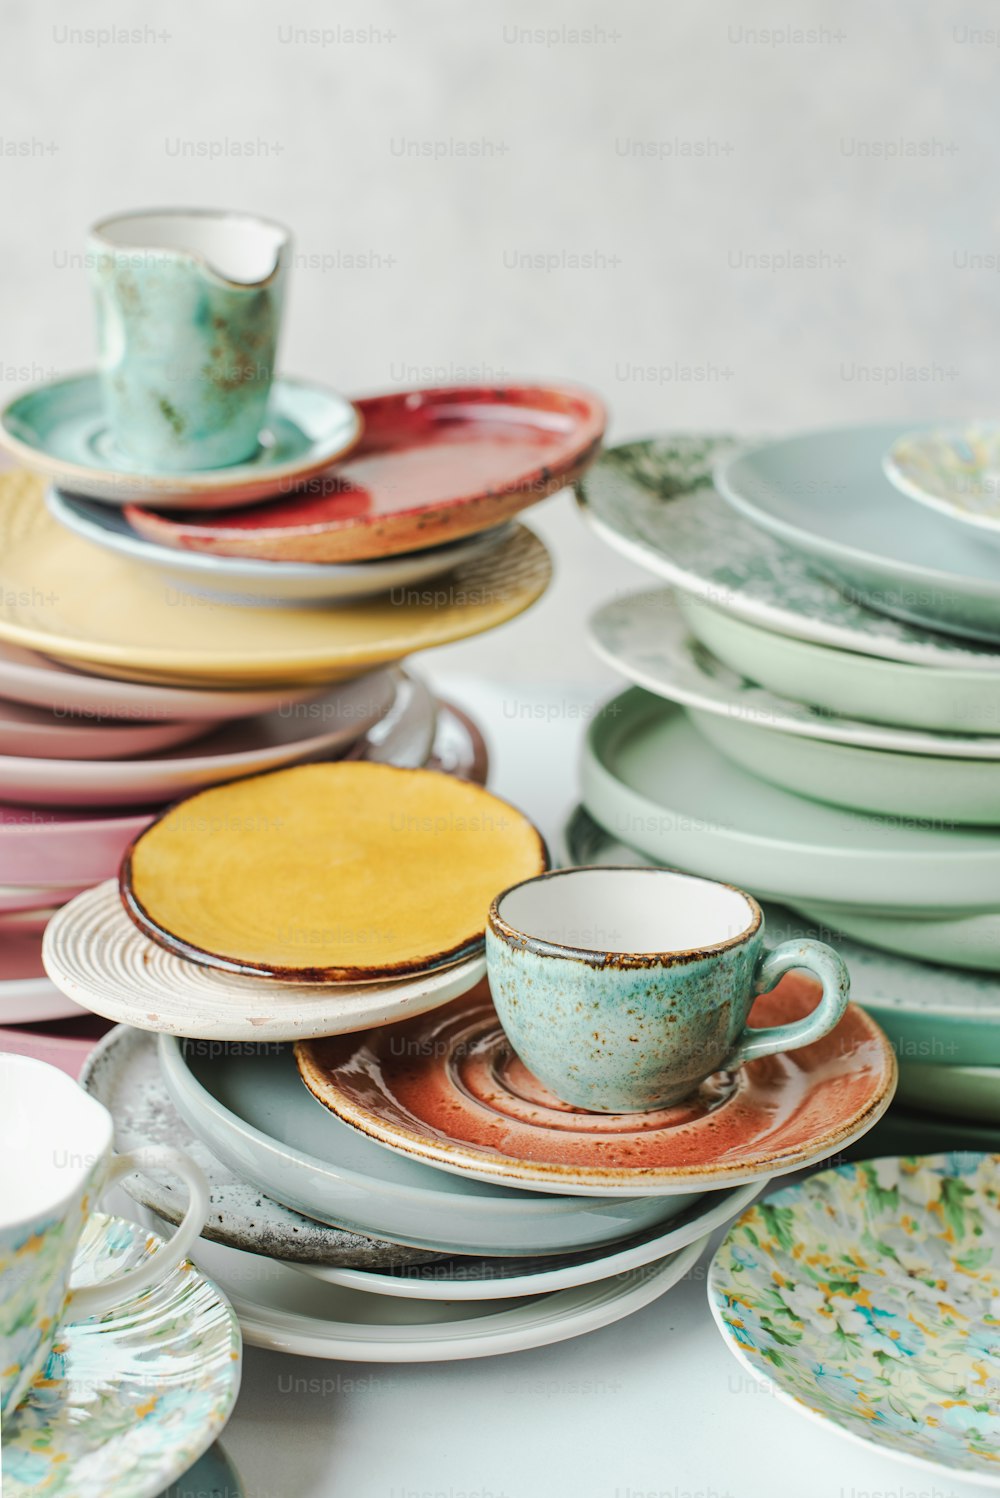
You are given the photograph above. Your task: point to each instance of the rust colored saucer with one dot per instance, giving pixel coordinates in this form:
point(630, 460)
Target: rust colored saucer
point(433, 465)
point(445, 1088)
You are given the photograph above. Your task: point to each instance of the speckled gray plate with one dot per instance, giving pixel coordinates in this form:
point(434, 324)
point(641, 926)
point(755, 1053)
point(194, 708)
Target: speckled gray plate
point(123, 1073)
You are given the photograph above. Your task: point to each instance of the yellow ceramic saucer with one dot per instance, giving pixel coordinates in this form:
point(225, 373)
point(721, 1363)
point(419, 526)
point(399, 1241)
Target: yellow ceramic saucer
point(328, 873)
point(73, 601)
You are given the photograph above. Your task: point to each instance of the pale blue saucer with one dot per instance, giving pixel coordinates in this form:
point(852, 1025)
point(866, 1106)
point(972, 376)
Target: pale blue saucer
point(60, 429)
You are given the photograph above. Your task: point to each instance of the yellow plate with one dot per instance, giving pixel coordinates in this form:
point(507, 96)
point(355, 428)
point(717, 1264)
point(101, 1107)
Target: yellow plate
point(329, 873)
point(89, 608)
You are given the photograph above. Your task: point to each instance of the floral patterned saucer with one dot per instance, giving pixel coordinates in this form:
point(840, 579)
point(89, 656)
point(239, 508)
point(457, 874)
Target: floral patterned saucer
point(869, 1296)
point(956, 472)
point(126, 1402)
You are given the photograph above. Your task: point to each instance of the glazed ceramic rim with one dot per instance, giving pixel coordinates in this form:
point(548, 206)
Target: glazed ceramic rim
point(172, 488)
point(534, 484)
point(902, 481)
point(98, 233)
point(458, 1157)
point(147, 924)
point(767, 1380)
point(511, 936)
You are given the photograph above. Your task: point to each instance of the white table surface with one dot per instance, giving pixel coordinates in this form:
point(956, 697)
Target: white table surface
point(653, 1407)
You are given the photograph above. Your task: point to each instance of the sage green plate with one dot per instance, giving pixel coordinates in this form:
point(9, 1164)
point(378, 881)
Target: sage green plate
point(961, 941)
point(650, 778)
point(934, 1015)
point(947, 699)
point(966, 1092)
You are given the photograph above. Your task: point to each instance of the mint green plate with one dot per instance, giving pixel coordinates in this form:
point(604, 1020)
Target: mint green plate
point(959, 1091)
point(961, 941)
point(60, 430)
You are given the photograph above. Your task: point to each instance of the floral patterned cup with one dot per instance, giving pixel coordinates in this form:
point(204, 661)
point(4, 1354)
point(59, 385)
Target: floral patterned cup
point(57, 1160)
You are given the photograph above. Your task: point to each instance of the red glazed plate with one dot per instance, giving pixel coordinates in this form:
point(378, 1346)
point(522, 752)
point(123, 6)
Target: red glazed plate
point(433, 465)
point(446, 1089)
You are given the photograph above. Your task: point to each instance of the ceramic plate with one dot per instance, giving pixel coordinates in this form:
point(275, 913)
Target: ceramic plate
point(65, 1043)
point(98, 958)
point(651, 779)
point(26, 994)
point(405, 736)
point(646, 637)
point(449, 1091)
point(459, 747)
point(825, 495)
point(866, 1297)
point(26, 677)
point(127, 1402)
point(287, 1312)
point(32, 731)
point(301, 731)
point(904, 1131)
point(955, 472)
point(85, 847)
point(655, 502)
point(100, 612)
point(433, 465)
point(123, 1073)
point(243, 580)
point(961, 1091)
point(465, 1279)
point(60, 430)
point(930, 1013)
point(966, 941)
point(249, 1106)
point(941, 699)
point(334, 873)
point(15, 899)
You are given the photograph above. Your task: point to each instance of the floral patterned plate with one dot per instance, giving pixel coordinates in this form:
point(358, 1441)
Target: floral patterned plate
point(128, 1402)
point(955, 472)
point(869, 1296)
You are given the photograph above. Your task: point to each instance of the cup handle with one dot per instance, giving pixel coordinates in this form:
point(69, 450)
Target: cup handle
point(94, 1300)
point(826, 965)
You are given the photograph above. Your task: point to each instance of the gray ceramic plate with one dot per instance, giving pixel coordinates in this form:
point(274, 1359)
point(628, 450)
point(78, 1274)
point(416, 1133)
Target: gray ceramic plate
point(653, 781)
point(123, 1073)
point(654, 501)
point(249, 1105)
point(825, 495)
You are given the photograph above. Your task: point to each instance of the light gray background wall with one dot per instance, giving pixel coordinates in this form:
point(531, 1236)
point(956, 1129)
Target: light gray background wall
point(648, 154)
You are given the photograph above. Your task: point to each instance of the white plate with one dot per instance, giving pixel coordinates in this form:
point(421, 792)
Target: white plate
point(646, 638)
point(283, 1310)
point(470, 1279)
point(28, 677)
point(654, 501)
point(650, 779)
point(405, 736)
point(249, 1105)
point(825, 495)
point(95, 955)
point(240, 579)
point(300, 731)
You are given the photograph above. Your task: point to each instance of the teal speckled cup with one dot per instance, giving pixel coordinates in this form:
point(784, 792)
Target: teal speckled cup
point(622, 989)
point(188, 312)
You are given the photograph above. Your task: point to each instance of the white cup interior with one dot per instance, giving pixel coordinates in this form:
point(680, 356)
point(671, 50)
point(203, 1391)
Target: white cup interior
point(237, 246)
point(53, 1134)
point(648, 911)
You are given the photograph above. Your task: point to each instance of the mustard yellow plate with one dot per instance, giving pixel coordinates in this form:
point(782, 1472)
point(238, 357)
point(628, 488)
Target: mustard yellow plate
point(73, 601)
point(329, 873)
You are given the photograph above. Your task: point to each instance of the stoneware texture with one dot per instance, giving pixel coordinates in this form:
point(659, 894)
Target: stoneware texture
point(123, 1073)
point(432, 466)
point(61, 430)
point(281, 1309)
point(857, 528)
point(128, 1401)
point(249, 1105)
point(261, 583)
point(650, 779)
point(866, 1298)
point(98, 958)
point(100, 612)
point(943, 699)
point(955, 472)
point(654, 501)
point(617, 1030)
point(449, 1090)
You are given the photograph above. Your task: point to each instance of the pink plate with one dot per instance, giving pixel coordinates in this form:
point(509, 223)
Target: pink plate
point(65, 1044)
point(48, 735)
point(26, 994)
point(16, 899)
point(432, 465)
point(445, 1088)
point(38, 844)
